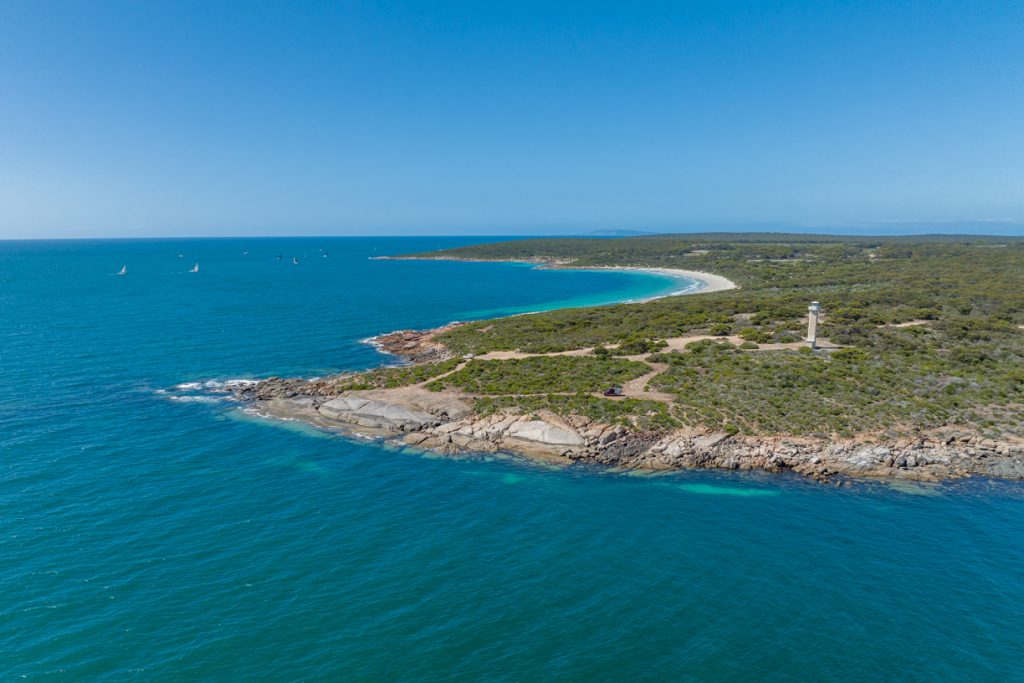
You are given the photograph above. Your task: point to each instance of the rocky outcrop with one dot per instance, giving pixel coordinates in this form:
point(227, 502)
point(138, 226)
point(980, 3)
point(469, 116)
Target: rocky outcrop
point(446, 424)
point(545, 436)
point(918, 459)
point(541, 432)
point(376, 414)
point(278, 388)
point(409, 410)
point(417, 346)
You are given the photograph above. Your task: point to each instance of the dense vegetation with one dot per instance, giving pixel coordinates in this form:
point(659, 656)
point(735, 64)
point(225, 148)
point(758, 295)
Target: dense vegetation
point(964, 367)
point(899, 384)
point(542, 375)
point(857, 280)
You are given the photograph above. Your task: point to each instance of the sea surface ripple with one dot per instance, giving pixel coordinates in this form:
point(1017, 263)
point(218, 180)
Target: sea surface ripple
point(151, 530)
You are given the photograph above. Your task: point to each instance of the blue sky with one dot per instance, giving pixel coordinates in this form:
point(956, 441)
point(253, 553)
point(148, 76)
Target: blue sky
point(207, 118)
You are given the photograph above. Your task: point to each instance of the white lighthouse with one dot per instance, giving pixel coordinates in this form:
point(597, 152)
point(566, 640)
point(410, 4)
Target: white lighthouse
point(812, 323)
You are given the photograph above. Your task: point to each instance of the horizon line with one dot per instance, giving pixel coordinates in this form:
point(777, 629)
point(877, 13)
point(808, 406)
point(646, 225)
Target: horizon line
point(589, 235)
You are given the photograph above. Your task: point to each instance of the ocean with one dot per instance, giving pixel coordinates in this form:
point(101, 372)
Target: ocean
point(152, 530)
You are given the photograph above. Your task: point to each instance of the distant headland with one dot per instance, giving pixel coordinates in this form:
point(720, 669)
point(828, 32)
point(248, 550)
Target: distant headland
point(909, 363)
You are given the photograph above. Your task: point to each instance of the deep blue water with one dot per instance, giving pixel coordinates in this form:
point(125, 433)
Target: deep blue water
point(147, 538)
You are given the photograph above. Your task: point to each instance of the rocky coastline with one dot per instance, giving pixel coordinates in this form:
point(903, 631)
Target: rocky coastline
point(415, 346)
point(446, 423)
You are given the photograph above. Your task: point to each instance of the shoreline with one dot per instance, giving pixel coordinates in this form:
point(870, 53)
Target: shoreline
point(707, 282)
point(446, 422)
point(710, 282)
point(393, 343)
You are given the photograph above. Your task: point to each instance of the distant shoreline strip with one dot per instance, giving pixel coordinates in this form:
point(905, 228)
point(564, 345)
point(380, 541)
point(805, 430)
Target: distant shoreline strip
point(705, 283)
point(709, 282)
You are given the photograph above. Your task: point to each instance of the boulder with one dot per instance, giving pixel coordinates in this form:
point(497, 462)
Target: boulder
point(710, 440)
point(542, 432)
point(376, 414)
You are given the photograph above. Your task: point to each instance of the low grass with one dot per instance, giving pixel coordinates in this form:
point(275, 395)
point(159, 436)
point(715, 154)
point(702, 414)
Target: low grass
point(650, 416)
point(542, 375)
point(390, 378)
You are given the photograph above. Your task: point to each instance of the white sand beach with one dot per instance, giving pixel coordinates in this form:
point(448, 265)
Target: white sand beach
point(709, 281)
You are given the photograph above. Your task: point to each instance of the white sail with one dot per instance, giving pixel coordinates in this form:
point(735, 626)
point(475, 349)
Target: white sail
point(195, 268)
point(123, 271)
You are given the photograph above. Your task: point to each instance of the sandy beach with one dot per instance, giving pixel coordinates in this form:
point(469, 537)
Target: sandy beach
point(709, 282)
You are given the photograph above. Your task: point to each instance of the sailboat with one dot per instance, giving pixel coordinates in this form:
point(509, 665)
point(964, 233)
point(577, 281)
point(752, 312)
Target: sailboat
point(123, 271)
point(245, 253)
point(295, 260)
point(195, 268)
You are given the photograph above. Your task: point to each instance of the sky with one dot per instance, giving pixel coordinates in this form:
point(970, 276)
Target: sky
point(306, 118)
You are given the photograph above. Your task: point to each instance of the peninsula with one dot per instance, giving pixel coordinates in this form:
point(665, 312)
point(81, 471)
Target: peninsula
point(915, 368)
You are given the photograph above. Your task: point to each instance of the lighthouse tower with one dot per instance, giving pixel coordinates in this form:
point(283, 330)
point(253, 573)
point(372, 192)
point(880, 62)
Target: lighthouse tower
point(812, 323)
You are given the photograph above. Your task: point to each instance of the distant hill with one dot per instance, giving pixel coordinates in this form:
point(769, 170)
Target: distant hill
point(616, 233)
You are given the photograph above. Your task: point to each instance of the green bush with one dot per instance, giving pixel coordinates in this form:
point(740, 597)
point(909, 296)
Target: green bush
point(703, 344)
point(544, 374)
point(637, 345)
point(755, 335)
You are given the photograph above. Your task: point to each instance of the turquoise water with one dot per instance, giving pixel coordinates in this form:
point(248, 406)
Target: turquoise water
point(148, 538)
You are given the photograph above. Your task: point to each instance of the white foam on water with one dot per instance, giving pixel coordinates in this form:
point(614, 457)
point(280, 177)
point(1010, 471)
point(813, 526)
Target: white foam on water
point(209, 391)
point(227, 385)
point(214, 385)
point(240, 382)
